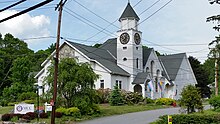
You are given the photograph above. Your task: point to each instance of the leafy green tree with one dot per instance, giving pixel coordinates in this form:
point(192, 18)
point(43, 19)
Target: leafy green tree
point(10, 49)
point(116, 97)
point(201, 77)
point(191, 99)
point(75, 80)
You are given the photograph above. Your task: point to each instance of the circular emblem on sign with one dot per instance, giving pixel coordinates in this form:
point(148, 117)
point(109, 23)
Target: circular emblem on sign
point(19, 108)
point(124, 38)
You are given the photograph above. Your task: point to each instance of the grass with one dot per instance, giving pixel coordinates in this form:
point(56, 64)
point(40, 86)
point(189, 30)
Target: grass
point(7, 109)
point(106, 110)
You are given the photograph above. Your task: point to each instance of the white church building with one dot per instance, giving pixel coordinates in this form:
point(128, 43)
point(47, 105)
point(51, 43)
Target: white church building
point(124, 62)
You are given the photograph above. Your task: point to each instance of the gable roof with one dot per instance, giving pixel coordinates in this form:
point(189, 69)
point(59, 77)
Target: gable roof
point(172, 64)
point(102, 56)
point(146, 54)
point(129, 13)
point(111, 46)
point(141, 78)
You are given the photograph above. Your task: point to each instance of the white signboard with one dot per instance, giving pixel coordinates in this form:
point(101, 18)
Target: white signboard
point(23, 108)
point(49, 108)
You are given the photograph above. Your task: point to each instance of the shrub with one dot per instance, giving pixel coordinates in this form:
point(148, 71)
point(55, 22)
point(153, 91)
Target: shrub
point(191, 99)
point(6, 117)
point(3, 102)
point(148, 100)
point(27, 117)
point(103, 95)
point(164, 101)
point(27, 95)
point(73, 111)
point(29, 101)
point(12, 103)
point(215, 102)
point(116, 97)
point(191, 119)
point(131, 98)
point(61, 110)
point(58, 114)
point(43, 115)
point(32, 115)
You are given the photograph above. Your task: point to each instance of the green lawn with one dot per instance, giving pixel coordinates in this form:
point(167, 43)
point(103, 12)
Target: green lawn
point(106, 110)
point(4, 110)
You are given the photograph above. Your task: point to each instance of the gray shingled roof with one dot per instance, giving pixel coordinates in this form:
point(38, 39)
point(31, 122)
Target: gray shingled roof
point(172, 64)
point(146, 54)
point(102, 56)
point(141, 78)
point(129, 13)
point(111, 46)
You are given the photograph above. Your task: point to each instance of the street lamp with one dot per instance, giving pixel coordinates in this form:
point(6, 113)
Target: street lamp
point(38, 100)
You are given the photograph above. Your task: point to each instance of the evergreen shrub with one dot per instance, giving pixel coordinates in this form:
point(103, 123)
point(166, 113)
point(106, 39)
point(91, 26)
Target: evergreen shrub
point(116, 98)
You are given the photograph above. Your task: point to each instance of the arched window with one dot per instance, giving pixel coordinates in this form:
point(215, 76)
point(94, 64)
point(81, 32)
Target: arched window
point(152, 68)
point(137, 62)
point(147, 69)
point(157, 80)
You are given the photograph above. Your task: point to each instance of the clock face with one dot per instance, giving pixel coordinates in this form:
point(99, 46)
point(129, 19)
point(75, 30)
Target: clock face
point(137, 38)
point(124, 38)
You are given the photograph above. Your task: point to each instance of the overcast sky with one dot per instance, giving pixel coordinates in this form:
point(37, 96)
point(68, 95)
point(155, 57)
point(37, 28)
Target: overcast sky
point(179, 26)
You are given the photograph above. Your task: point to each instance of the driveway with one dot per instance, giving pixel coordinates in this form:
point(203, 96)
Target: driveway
point(144, 117)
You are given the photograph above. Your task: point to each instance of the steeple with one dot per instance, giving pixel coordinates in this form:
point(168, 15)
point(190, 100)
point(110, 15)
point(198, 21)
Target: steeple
point(129, 13)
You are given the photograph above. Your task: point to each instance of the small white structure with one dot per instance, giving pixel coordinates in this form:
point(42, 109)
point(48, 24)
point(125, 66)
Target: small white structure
point(124, 62)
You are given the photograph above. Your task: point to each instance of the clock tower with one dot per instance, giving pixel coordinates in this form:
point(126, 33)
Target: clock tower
point(129, 46)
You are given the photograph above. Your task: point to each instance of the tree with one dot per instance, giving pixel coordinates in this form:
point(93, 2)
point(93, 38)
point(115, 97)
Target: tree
point(191, 99)
point(201, 75)
point(75, 80)
point(10, 49)
point(116, 97)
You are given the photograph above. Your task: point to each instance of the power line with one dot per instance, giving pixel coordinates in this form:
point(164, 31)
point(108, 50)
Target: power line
point(19, 2)
point(155, 12)
point(8, 1)
point(26, 10)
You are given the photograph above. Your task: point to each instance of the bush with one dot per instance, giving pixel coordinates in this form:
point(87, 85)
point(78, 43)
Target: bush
point(32, 115)
point(148, 100)
point(43, 115)
point(12, 103)
point(215, 102)
point(58, 114)
point(73, 111)
point(26, 117)
point(116, 97)
point(6, 117)
point(3, 102)
point(164, 101)
point(29, 101)
point(27, 96)
point(131, 98)
point(191, 119)
point(61, 110)
point(191, 99)
point(103, 95)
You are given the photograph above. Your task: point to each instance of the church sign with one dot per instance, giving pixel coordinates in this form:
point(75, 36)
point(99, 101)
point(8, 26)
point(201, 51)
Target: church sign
point(23, 108)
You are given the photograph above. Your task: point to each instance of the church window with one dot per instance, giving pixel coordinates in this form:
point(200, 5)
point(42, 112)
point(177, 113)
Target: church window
point(125, 59)
point(102, 84)
point(137, 62)
point(152, 68)
point(136, 48)
point(118, 84)
point(124, 48)
point(147, 69)
point(156, 84)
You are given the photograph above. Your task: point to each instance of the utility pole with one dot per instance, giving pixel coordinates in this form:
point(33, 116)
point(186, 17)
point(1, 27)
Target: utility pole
point(216, 75)
point(56, 59)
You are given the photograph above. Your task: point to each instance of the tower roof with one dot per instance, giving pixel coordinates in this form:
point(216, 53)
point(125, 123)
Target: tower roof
point(129, 13)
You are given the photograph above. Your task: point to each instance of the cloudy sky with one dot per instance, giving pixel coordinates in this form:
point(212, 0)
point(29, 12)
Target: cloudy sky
point(169, 26)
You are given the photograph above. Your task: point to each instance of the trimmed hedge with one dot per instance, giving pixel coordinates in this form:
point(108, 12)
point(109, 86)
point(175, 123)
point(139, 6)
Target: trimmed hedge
point(164, 101)
point(190, 119)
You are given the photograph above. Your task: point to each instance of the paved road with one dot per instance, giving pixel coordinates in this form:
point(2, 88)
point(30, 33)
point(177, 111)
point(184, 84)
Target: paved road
point(144, 117)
